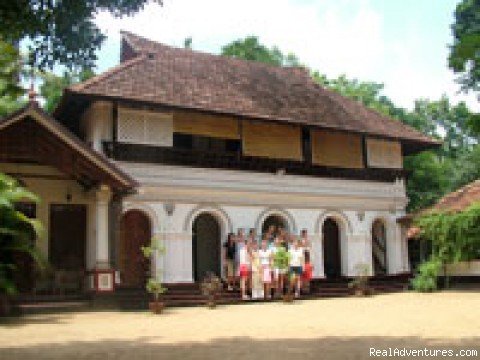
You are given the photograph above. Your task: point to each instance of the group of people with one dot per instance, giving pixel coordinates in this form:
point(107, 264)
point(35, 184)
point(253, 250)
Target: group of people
point(276, 263)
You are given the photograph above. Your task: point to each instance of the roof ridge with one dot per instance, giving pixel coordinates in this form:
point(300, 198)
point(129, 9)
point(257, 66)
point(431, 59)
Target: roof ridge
point(139, 50)
point(105, 75)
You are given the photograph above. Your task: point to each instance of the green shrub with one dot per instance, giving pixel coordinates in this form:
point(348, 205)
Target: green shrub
point(426, 279)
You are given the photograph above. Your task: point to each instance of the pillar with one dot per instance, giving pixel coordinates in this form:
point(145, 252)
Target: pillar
point(101, 276)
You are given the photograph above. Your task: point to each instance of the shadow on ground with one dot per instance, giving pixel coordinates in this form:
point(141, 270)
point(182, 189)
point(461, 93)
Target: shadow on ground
point(233, 348)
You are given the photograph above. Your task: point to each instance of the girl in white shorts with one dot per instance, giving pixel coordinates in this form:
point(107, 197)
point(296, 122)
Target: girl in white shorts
point(265, 255)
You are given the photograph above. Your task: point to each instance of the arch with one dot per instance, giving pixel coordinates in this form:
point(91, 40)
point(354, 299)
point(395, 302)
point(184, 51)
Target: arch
point(147, 210)
point(345, 230)
point(379, 246)
point(332, 253)
point(206, 245)
point(219, 213)
point(339, 216)
point(135, 232)
point(281, 213)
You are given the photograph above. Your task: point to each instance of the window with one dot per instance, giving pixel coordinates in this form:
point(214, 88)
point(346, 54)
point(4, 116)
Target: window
point(205, 143)
point(144, 127)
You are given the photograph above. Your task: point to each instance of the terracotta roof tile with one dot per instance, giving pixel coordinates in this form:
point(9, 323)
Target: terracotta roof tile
point(184, 78)
point(460, 199)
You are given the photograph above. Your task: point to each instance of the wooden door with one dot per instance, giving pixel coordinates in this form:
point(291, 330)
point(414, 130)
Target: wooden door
point(135, 232)
point(68, 233)
point(206, 246)
point(331, 249)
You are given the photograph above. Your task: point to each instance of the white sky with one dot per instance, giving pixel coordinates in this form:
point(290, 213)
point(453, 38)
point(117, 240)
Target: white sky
point(401, 43)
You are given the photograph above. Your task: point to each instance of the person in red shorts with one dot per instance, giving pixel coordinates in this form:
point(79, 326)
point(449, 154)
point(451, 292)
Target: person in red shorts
point(307, 267)
point(245, 261)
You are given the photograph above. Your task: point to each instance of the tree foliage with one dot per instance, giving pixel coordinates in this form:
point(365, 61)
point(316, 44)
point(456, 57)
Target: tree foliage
point(60, 31)
point(15, 231)
point(455, 236)
point(10, 71)
point(53, 85)
point(250, 48)
point(464, 55)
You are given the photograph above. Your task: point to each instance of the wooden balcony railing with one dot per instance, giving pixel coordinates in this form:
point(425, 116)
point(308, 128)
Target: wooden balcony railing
point(235, 161)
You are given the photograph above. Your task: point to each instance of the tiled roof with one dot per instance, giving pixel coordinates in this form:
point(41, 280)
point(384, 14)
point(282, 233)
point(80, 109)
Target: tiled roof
point(156, 73)
point(460, 199)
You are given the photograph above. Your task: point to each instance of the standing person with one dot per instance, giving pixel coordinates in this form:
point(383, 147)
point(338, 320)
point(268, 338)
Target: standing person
point(230, 255)
point(245, 262)
point(270, 234)
point(308, 266)
point(252, 235)
point(296, 266)
point(282, 234)
point(265, 255)
point(257, 274)
point(280, 265)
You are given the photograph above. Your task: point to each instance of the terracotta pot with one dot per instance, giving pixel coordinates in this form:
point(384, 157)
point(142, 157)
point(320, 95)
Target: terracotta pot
point(288, 298)
point(156, 307)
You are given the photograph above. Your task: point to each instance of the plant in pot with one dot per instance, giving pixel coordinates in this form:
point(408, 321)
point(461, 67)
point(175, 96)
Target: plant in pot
point(211, 286)
point(360, 284)
point(154, 286)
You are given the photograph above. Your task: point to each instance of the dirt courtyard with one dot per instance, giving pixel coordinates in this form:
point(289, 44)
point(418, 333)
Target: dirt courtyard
point(344, 328)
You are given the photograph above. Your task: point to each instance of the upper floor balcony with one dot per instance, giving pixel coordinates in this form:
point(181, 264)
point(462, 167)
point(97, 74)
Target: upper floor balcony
point(235, 160)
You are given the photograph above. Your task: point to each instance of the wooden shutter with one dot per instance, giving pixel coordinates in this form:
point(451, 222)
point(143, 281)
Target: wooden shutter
point(330, 148)
point(217, 126)
point(384, 153)
point(272, 140)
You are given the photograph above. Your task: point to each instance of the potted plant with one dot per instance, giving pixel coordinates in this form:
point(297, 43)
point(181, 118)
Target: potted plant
point(360, 284)
point(211, 286)
point(154, 286)
point(288, 296)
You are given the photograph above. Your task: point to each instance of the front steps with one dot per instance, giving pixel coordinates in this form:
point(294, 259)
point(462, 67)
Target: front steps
point(188, 295)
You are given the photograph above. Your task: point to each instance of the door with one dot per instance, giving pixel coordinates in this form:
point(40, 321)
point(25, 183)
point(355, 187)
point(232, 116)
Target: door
point(331, 249)
point(135, 232)
point(68, 233)
point(206, 246)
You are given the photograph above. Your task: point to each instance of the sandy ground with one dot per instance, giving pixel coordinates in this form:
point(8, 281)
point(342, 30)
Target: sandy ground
point(344, 328)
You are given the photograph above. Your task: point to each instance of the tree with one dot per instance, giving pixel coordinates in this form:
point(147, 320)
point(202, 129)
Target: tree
point(60, 31)
point(464, 55)
point(428, 179)
point(10, 66)
point(15, 231)
point(52, 87)
point(251, 49)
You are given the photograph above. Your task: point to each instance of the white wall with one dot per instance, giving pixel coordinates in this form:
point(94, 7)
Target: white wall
point(52, 187)
point(244, 200)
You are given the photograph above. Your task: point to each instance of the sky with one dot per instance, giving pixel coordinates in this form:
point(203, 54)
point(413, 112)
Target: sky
point(400, 43)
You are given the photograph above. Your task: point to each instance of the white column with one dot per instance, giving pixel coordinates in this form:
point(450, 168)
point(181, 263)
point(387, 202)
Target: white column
point(102, 196)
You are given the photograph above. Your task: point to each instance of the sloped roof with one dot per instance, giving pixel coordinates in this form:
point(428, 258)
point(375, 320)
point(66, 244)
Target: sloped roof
point(160, 74)
point(455, 201)
point(32, 133)
point(460, 199)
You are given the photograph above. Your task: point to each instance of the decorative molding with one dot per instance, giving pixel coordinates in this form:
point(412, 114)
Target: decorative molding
point(213, 209)
point(337, 215)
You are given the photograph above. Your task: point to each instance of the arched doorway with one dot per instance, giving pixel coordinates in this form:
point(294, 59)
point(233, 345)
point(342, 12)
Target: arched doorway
point(379, 248)
point(331, 249)
point(135, 232)
point(206, 246)
point(275, 220)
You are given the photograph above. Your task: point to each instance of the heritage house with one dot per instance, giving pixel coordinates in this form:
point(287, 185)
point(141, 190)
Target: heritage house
point(188, 147)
